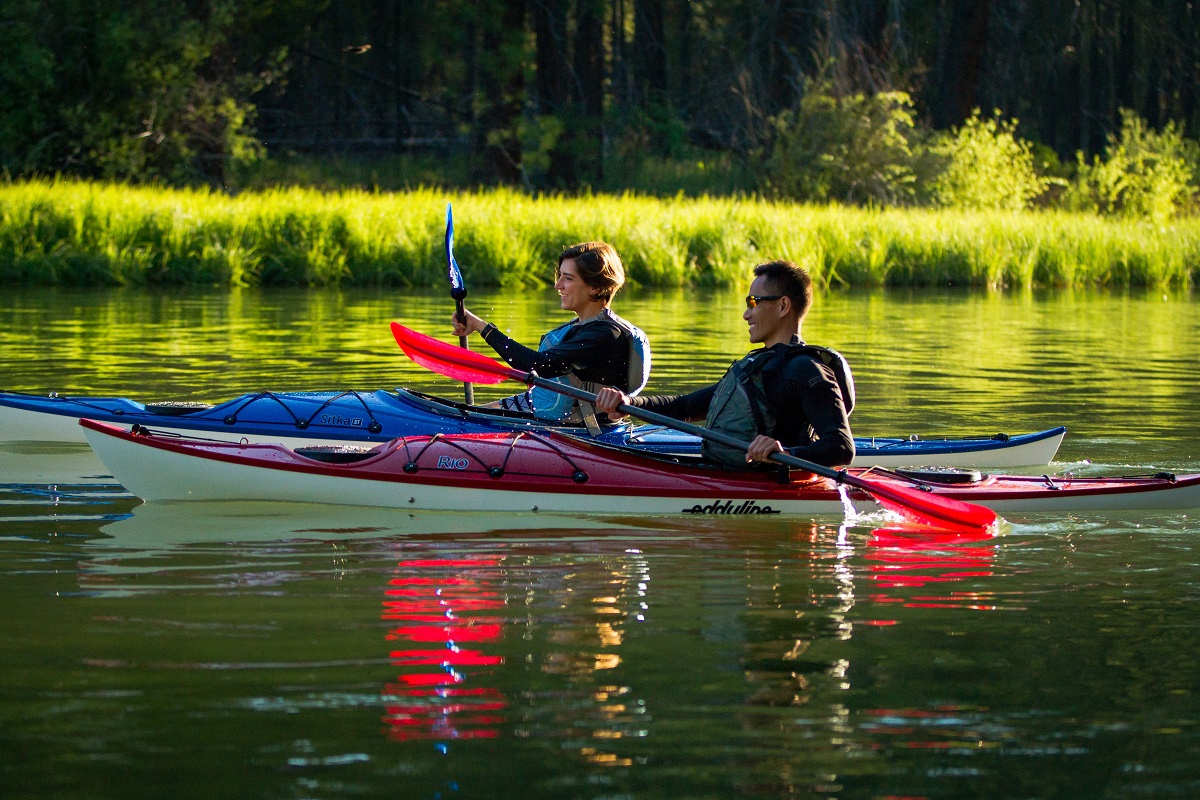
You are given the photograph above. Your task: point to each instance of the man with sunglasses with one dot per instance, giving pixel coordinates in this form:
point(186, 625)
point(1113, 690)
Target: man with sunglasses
point(783, 397)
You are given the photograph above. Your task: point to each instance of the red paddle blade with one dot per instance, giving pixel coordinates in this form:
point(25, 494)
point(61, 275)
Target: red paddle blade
point(453, 362)
point(927, 508)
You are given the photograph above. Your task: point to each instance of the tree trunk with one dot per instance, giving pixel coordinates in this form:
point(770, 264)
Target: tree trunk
point(501, 84)
point(554, 82)
point(795, 46)
point(1086, 25)
point(550, 34)
point(589, 71)
point(650, 53)
point(962, 45)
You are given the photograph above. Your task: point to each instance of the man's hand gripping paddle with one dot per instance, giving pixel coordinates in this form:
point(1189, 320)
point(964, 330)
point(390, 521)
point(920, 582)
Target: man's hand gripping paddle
point(458, 291)
point(921, 507)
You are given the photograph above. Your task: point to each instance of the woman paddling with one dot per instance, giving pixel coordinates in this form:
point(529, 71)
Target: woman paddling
point(595, 349)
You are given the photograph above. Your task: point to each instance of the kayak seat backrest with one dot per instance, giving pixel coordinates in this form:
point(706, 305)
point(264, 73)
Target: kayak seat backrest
point(639, 357)
point(942, 474)
point(176, 408)
point(336, 453)
point(841, 370)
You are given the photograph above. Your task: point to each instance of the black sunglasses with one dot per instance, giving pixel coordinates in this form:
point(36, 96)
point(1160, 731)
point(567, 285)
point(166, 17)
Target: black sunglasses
point(754, 299)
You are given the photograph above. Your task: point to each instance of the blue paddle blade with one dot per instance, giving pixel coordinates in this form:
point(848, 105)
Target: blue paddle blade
point(457, 289)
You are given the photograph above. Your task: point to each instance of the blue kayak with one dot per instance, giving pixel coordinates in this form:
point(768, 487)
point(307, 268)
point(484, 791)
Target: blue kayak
point(322, 418)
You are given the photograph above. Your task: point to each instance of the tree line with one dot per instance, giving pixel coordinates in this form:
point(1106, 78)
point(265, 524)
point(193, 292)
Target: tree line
point(551, 94)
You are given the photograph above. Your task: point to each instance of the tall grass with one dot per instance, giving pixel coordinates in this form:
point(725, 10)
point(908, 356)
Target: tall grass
point(77, 233)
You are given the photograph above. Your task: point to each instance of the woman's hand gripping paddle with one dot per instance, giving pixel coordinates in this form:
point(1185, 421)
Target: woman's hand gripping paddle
point(458, 291)
point(921, 507)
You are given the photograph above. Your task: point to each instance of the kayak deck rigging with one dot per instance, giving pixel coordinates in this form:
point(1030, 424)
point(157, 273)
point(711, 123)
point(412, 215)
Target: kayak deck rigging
point(300, 419)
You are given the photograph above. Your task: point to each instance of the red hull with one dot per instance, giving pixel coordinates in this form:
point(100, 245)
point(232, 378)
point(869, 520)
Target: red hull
point(507, 471)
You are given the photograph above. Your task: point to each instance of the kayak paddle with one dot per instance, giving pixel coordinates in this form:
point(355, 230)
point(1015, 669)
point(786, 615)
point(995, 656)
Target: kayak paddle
point(922, 507)
point(458, 291)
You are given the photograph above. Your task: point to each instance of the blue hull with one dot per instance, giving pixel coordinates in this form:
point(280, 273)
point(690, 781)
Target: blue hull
point(379, 416)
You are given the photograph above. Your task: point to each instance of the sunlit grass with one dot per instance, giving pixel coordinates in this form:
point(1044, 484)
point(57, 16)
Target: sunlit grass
point(77, 233)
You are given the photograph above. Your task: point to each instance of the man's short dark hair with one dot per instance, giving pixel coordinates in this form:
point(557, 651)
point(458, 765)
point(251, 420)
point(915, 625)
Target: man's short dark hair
point(791, 280)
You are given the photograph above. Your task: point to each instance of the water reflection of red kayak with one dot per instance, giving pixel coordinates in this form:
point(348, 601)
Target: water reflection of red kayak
point(443, 605)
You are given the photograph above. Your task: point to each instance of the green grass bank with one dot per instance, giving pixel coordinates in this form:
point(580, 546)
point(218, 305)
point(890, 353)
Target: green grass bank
point(76, 233)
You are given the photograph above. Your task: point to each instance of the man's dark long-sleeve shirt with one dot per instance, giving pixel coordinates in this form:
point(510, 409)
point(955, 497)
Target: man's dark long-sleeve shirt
point(803, 393)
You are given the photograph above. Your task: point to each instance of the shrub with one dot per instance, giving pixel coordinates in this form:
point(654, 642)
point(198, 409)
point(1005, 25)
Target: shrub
point(985, 167)
point(1144, 173)
point(854, 149)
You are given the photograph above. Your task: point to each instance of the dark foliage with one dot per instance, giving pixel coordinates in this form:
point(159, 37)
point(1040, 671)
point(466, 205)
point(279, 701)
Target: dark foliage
point(545, 93)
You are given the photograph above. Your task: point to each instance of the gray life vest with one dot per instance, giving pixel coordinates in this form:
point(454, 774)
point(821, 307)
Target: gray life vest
point(554, 407)
point(739, 407)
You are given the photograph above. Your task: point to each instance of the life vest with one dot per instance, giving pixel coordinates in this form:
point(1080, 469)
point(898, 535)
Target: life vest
point(554, 407)
point(739, 407)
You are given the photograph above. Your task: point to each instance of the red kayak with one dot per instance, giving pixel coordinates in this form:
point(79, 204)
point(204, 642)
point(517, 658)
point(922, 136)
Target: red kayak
point(526, 471)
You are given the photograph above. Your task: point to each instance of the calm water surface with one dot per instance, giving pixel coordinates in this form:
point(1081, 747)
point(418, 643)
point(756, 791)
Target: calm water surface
point(259, 651)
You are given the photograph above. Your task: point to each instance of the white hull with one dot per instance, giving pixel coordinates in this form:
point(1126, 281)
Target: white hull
point(157, 474)
point(41, 448)
point(51, 463)
point(23, 425)
point(19, 425)
point(1016, 456)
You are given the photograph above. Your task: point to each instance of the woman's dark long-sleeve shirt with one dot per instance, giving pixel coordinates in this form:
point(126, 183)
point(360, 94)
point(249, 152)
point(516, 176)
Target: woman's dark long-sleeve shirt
point(597, 351)
point(811, 420)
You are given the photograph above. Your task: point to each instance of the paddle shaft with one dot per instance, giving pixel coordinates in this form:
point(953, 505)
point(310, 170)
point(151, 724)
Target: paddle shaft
point(679, 425)
point(461, 311)
point(466, 366)
point(903, 502)
point(458, 291)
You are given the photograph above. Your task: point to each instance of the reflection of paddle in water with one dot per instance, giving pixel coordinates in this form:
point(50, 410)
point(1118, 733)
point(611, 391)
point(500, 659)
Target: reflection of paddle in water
point(443, 605)
point(912, 556)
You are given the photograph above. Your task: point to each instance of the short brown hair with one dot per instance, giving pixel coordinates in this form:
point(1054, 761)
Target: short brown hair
point(790, 280)
point(598, 265)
